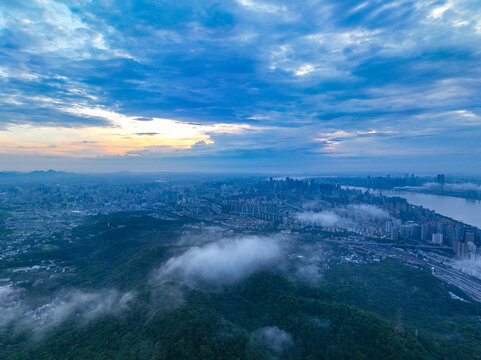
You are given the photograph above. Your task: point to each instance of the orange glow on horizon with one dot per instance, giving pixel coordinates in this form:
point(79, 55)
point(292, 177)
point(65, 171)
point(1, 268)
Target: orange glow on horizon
point(125, 136)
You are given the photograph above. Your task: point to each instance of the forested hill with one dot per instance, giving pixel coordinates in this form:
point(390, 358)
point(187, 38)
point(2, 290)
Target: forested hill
point(263, 317)
point(383, 310)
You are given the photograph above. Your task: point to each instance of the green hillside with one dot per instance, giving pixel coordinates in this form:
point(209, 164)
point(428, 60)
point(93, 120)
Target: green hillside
point(385, 310)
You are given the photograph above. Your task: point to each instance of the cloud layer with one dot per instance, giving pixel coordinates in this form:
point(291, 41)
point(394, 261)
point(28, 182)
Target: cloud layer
point(249, 84)
point(222, 262)
point(468, 266)
point(467, 186)
point(360, 211)
point(342, 217)
point(271, 342)
point(84, 305)
point(324, 218)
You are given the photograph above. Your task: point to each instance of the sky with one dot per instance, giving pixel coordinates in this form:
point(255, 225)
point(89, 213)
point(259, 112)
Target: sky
point(298, 87)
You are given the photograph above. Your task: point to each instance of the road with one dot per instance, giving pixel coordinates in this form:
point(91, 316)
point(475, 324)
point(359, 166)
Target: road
point(470, 285)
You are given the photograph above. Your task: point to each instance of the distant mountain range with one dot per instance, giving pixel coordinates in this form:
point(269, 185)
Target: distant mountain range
point(36, 176)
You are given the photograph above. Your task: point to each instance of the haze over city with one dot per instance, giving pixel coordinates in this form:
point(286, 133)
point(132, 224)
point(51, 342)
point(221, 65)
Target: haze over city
point(240, 179)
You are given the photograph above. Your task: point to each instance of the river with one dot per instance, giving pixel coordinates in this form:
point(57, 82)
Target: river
point(465, 210)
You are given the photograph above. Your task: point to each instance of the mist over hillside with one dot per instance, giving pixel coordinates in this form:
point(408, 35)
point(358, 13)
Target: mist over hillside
point(240, 179)
point(230, 268)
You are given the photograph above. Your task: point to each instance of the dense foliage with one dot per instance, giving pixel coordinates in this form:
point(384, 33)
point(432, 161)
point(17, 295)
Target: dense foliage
point(369, 311)
point(218, 326)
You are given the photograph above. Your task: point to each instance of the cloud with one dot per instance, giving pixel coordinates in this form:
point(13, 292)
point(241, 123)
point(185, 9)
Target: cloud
point(324, 218)
point(84, 305)
point(361, 210)
point(222, 262)
point(468, 266)
point(271, 342)
point(121, 135)
point(468, 186)
point(51, 27)
point(341, 217)
point(312, 205)
point(332, 83)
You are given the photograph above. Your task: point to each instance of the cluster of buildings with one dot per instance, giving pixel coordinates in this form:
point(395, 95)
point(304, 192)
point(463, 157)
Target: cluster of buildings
point(38, 214)
point(441, 231)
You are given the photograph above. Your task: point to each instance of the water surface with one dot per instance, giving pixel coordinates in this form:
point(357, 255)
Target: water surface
point(466, 210)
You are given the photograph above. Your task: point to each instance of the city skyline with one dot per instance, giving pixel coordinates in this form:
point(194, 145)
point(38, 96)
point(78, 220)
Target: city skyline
point(240, 86)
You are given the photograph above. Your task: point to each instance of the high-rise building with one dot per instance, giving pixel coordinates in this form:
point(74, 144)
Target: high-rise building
point(388, 227)
point(437, 238)
point(395, 233)
point(460, 248)
point(441, 227)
